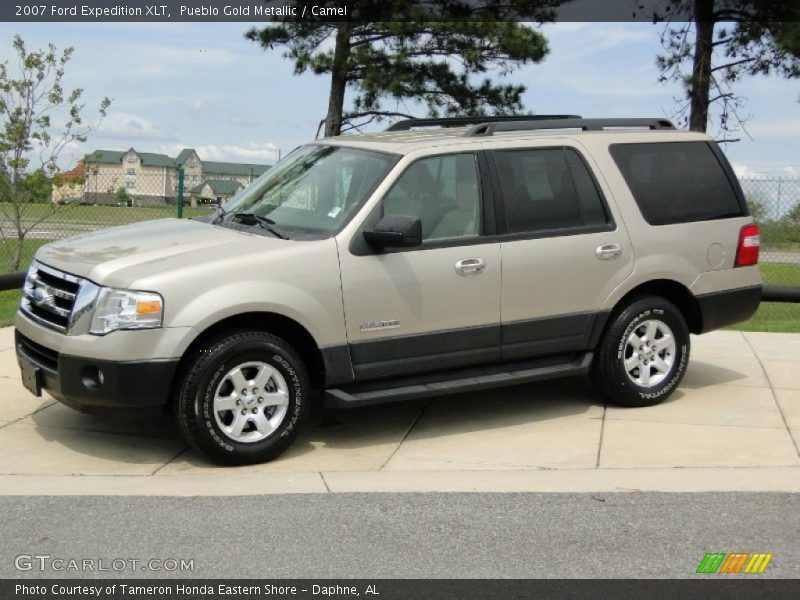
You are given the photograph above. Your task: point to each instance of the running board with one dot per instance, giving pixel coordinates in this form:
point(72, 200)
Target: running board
point(463, 380)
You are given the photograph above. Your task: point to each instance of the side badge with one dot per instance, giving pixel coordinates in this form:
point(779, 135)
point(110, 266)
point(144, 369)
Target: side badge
point(376, 325)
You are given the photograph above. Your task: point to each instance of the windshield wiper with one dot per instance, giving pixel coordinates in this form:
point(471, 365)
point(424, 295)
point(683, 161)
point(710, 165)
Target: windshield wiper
point(264, 222)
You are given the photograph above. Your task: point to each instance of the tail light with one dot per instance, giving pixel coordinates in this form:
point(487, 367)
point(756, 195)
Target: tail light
point(747, 250)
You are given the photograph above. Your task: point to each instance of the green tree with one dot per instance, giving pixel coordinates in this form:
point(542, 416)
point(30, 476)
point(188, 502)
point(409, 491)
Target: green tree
point(122, 194)
point(30, 143)
point(709, 45)
point(758, 209)
point(793, 216)
point(413, 59)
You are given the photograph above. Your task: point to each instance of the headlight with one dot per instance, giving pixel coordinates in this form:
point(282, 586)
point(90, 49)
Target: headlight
point(123, 309)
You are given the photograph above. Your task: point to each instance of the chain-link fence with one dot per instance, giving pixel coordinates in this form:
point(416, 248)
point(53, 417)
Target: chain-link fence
point(101, 198)
point(775, 204)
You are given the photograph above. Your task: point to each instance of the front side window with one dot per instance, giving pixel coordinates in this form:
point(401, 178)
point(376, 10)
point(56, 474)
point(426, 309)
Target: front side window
point(548, 189)
point(315, 188)
point(443, 192)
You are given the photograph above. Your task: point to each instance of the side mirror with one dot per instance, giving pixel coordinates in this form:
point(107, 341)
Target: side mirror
point(395, 231)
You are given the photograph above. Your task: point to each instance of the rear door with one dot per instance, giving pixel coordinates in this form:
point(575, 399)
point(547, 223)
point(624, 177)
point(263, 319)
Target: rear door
point(563, 251)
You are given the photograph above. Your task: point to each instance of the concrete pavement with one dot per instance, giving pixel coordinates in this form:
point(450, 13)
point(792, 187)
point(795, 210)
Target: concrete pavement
point(733, 425)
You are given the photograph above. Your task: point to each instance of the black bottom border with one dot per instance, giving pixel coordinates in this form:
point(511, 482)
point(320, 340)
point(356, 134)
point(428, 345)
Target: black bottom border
point(741, 587)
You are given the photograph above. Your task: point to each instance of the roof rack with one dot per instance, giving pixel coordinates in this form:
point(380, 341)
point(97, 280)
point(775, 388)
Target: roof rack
point(491, 127)
point(408, 124)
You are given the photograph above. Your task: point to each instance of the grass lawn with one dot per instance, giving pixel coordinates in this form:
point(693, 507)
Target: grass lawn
point(779, 274)
point(116, 215)
point(9, 301)
point(776, 316)
point(773, 316)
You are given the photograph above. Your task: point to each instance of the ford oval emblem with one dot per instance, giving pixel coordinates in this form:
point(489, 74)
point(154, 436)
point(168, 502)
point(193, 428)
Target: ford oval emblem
point(40, 296)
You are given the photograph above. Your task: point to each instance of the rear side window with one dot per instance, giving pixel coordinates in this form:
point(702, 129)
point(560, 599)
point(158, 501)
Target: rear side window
point(548, 189)
point(677, 182)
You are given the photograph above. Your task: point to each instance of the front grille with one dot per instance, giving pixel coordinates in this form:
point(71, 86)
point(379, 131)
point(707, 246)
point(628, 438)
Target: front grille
point(49, 296)
point(38, 354)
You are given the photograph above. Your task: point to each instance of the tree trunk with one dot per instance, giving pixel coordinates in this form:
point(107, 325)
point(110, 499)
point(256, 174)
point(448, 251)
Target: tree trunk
point(700, 85)
point(19, 249)
point(341, 57)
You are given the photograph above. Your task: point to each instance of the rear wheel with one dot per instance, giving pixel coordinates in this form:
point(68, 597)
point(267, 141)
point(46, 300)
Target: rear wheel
point(243, 398)
point(643, 354)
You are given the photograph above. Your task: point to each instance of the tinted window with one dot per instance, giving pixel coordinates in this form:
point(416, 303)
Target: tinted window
point(548, 189)
point(676, 182)
point(443, 192)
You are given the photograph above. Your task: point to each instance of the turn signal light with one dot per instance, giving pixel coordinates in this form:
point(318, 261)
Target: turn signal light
point(148, 307)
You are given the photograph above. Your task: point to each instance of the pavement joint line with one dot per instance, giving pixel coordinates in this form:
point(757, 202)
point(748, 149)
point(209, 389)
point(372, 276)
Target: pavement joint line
point(602, 430)
point(174, 458)
point(408, 432)
point(503, 466)
point(22, 418)
point(223, 474)
point(325, 482)
point(774, 396)
point(587, 480)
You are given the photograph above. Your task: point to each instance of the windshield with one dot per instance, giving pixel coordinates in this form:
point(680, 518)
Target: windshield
point(315, 188)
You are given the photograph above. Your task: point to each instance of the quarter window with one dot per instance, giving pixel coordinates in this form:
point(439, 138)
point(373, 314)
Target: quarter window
point(443, 192)
point(677, 182)
point(548, 189)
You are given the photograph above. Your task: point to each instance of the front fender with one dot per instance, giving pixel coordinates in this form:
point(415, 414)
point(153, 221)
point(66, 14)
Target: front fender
point(321, 316)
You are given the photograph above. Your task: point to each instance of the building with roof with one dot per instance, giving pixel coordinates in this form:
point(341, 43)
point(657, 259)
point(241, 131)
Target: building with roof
point(214, 190)
point(152, 179)
point(69, 186)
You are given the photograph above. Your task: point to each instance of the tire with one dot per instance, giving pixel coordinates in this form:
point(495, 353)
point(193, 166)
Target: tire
point(626, 368)
point(243, 398)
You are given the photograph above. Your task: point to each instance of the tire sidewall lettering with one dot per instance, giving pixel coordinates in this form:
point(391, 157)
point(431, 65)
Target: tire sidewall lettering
point(678, 369)
point(205, 393)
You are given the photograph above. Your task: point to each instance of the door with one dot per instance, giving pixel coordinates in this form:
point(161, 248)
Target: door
point(562, 252)
point(431, 307)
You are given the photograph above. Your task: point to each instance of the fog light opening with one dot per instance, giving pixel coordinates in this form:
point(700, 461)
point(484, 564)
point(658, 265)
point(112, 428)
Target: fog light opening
point(92, 377)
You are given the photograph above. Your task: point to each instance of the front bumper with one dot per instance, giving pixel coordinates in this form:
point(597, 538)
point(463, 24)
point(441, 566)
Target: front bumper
point(97, 385)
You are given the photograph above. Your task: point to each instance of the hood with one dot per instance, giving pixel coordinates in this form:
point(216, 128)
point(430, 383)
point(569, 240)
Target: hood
point(121, 255)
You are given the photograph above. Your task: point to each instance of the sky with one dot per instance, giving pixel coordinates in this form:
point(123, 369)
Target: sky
point(204, 86)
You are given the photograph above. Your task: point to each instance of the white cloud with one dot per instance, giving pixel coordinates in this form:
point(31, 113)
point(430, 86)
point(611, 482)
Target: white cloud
point(127, 126)
point(774, 128)
point(243, 121)
point(252, 152)
point(198, 104)
point(743, 170)
point(148, 60)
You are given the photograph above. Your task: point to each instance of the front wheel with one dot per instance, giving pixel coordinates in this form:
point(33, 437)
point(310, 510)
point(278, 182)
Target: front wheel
point(243, 398)
point(643, 354)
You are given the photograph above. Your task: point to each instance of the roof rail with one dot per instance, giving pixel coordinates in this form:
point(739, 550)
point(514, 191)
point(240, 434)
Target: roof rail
point(408, 124)
point(491, 127)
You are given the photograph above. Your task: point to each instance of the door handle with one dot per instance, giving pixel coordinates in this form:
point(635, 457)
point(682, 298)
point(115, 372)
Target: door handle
point(470, 266)
point(608, 251)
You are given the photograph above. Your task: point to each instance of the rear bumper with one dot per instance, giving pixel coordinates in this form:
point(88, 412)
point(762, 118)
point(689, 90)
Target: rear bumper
point(719, 309)
point(94, 385)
